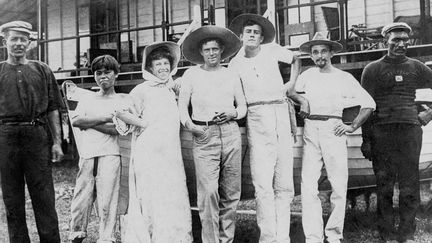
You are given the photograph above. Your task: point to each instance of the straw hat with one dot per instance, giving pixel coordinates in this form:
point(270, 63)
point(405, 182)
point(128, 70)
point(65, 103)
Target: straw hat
point(320, 39)
point(191, 43)
point(18, 25)
point(170, 46)
point(268, 30)
point(396, 26)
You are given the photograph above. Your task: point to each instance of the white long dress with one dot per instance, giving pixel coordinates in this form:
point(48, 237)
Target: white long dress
point(159, 210)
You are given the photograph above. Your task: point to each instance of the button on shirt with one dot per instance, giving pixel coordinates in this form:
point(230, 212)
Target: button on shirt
point(329, 93)
point(27, 91)
point(210, 92)
point(261, 77)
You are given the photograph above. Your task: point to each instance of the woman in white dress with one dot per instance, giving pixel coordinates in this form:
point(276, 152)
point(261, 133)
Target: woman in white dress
point(159, 210)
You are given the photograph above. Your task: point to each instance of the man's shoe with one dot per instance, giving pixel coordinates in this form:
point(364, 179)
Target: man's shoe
point(408, 241)
point(390, 241)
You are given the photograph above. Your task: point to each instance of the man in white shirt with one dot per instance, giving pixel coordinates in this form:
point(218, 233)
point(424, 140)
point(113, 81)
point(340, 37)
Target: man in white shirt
point(268, 122)
point(217, 101)
point(328, 90)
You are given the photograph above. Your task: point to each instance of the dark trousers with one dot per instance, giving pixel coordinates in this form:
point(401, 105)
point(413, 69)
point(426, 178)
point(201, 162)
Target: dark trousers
point(396, 150)
point(25, 158)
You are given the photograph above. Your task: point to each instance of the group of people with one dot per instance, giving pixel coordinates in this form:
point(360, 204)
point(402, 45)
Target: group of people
point(211, 99)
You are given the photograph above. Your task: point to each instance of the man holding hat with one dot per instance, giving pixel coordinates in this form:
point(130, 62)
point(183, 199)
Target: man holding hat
point(217, 100)
point(268, 122)
point(29, 103)
point(329, 90)
point(392, 137)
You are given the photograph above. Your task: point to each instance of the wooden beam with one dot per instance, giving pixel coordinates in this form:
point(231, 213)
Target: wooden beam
point(392, 11)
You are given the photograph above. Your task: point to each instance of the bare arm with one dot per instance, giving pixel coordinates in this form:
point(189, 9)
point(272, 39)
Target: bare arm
point(361, 118)
point(54, 125)
point(107, 128)
point(289, 87)
point(89, 121)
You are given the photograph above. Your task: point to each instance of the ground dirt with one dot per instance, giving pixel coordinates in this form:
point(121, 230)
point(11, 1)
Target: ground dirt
point(360, 223)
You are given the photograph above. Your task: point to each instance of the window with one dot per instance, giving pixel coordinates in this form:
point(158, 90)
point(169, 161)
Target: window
point(298, 14)
point(297, 40)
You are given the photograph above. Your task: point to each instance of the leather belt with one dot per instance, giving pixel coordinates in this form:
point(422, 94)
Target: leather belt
point(35, 122)
point(204, 123)
point(322, 117)
point(270, 102)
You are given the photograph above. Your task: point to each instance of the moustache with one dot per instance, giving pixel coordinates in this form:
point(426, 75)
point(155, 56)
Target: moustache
point(401, 49)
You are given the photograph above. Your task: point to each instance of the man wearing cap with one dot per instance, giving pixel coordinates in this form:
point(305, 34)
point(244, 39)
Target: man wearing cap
point(217, 101)
point(29, 103)
point(392, 137)
point(329, 90)
point(268, 122)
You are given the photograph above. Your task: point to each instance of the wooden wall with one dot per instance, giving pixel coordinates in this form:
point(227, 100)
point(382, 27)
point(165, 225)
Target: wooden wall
point(375, 13)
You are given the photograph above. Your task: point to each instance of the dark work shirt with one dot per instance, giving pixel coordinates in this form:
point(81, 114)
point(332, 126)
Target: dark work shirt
point(27, 91)
point(392, 83)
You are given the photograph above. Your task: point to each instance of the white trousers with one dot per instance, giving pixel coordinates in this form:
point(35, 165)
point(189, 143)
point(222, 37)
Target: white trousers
point(104, 187)
point(322, 147)
point(271, 161)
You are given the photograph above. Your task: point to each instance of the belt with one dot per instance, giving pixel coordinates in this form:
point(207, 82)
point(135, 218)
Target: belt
point(322, 117)
point(35, 122)
point(204, 123)
point(271, 102)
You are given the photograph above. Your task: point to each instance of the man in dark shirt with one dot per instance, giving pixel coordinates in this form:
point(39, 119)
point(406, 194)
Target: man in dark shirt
point(29, 102)
point(392, 137)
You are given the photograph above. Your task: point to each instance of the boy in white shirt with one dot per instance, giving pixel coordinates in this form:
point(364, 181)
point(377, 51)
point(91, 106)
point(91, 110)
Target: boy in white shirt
point(99, 166)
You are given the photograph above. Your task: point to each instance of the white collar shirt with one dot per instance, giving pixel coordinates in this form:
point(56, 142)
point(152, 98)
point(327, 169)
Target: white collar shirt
point(260, 75)
point(329, 93)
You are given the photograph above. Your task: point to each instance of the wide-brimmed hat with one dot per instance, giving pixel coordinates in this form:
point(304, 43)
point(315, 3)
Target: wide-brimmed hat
point(18, 25)
point(320, 39)
point(396, 26)
point(191, 43)
point(170, 46)
point(268, 30)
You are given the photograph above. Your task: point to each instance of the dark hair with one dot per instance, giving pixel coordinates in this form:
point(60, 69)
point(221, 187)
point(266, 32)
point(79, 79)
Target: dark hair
point(105, 61)
point(217, 40)
point(158, 54)
point(250, 23)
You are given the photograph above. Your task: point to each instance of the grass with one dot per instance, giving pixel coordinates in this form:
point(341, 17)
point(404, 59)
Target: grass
point(360, 222)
